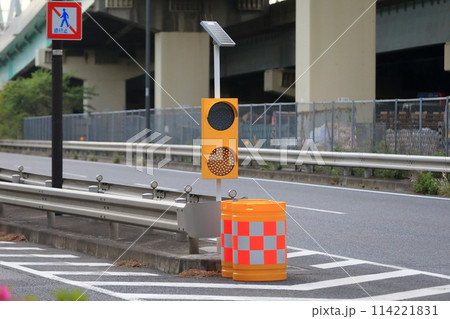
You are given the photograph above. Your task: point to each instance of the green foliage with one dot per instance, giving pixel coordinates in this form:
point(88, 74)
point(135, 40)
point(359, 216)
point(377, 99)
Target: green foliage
point(60, 295)
point(392, 173)
point(73, 295)
point(116, 158)
point(335, 179)
point(382, 148)
point(425, 184)
point(267, 167)
point(92, 158)
point(33, 97)
point(443, 186)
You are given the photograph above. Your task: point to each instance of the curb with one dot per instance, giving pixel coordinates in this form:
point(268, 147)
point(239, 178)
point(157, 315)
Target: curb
point(113, 250)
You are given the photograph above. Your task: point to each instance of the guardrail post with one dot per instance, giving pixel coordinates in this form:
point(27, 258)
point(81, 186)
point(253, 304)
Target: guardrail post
point(113, 230)
point(193, 245)
point(50, 215)
point(347, 171)
point(1, 210)
point(16, 178)
point(367, 172)
point(181, 237)
point(308, 168)
point(193, 242)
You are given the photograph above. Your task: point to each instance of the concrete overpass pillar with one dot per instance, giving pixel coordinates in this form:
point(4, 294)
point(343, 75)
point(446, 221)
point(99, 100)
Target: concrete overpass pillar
point(181, 68)
point(335, 59)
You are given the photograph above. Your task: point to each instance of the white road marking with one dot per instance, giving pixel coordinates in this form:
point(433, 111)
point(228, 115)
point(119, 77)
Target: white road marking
point(101, 273)
point(61, 263)
point(59, 279)
point(301, 253)
point(317, 210)
point(338, 264)
point(355, 279)
point(21, 248)
point(132, 296)
point(36, 255)
point(332, 256)
point(299, 287)
point(7, 242)
point(97, 286)
point(416, 293)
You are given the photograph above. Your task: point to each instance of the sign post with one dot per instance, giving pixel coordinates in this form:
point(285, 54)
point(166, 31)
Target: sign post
point(221, 39)
point(63, 23)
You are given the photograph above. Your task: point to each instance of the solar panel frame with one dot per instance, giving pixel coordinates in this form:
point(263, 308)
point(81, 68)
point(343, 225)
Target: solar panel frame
point(217, 33)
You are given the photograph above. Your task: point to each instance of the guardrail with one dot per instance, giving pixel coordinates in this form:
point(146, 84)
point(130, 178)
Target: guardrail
point(306, 159)
point(189, 215)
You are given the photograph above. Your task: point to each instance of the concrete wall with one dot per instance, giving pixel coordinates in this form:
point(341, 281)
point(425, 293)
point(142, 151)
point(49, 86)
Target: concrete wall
point(181, 68)
point(335, 59)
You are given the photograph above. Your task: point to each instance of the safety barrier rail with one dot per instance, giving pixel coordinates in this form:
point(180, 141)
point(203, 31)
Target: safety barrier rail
point(307, 159)
point(116, 204)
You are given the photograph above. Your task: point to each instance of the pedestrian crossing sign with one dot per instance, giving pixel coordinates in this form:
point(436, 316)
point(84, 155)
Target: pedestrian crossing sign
point(64, 20)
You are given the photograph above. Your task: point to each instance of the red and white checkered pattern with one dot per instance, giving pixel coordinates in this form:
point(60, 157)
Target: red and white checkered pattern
point(226, 241)
point(259, 243)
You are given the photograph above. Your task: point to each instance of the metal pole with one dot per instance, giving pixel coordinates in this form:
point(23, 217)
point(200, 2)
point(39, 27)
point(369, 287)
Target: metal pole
point(216, 71)
point(353, 126)
point(420, 125)
point(446, 125)
point(395, 125)
point(314, 122)
point(57, 101)
point(251, 121)
point(374, 124)
point(217, 96)
point(332, 126)
point(147, 63)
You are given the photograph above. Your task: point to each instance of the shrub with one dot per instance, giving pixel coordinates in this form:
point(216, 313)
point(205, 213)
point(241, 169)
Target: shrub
point(425, 184)
point(443, 186)
point(116, 158)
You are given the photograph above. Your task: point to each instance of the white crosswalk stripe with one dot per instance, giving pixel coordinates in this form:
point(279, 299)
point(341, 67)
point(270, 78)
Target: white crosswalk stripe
point(100, 273)
point(35, 255)
point(20, 248)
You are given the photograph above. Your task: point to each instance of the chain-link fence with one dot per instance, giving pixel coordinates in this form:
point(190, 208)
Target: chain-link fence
point(413, 126)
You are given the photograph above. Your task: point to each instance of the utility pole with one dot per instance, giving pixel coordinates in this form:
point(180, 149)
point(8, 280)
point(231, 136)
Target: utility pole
point(147, 63)
point(57, 105)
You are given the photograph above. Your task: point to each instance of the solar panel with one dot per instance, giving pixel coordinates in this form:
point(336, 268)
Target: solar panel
point(220, 37)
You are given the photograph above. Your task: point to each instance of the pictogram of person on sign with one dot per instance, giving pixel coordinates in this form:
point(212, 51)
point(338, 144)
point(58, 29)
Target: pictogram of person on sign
point(64, 18)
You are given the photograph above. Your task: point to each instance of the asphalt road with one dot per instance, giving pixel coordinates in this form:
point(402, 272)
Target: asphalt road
point(402, 230)
point(342, 244)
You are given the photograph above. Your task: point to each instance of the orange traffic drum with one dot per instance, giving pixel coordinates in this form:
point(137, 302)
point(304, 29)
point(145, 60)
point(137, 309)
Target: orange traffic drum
point(258, 239)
